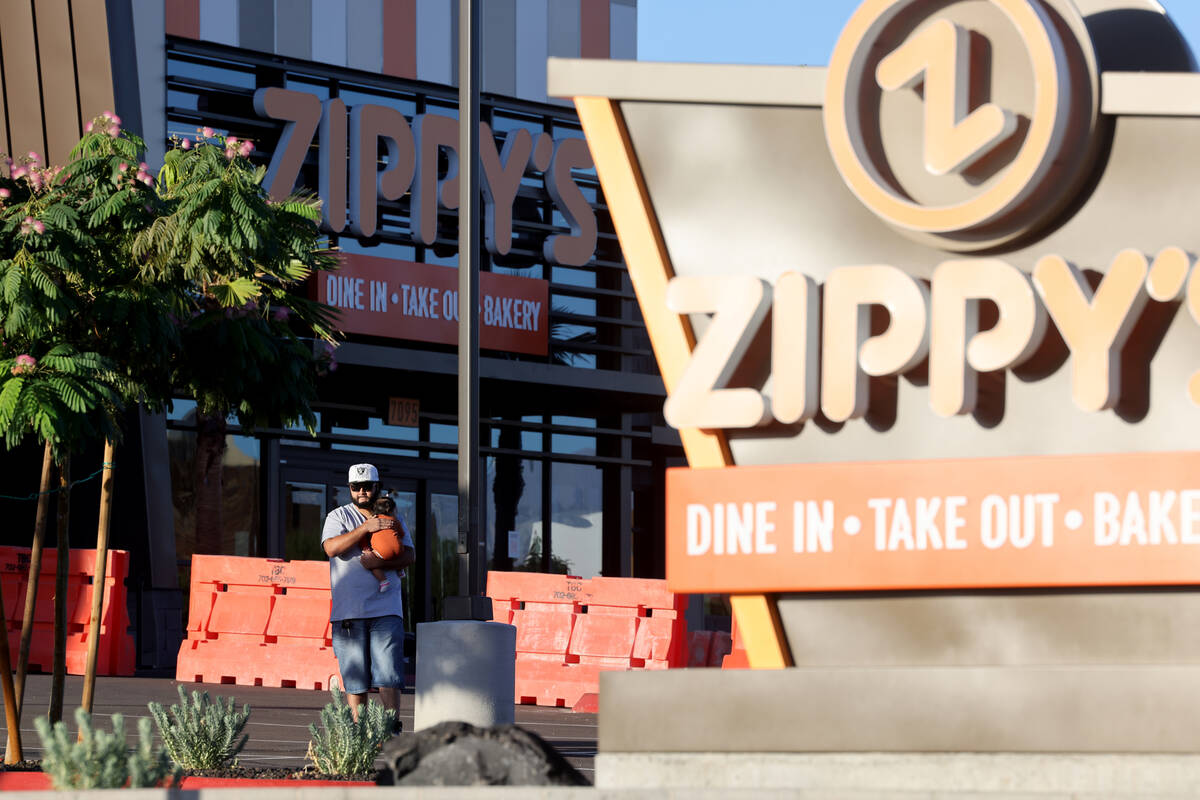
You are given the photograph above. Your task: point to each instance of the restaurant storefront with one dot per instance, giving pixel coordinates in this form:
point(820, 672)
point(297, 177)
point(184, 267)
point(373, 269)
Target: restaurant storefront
point(574, 445)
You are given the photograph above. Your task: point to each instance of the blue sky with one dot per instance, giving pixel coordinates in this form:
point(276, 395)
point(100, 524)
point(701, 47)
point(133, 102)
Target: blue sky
point(778, 31)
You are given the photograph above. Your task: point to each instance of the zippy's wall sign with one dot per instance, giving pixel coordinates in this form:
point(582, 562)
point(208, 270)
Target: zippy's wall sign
point(934, 309)
point(353, 172)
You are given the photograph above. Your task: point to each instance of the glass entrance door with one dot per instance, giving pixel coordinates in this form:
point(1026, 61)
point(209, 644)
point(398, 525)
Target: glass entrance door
point(314, 482)
point(443, 530)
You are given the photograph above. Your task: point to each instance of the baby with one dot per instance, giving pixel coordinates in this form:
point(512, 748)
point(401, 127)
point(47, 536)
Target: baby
point(384, 507)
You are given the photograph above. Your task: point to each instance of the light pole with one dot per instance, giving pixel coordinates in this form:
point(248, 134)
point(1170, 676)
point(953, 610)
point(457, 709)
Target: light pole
point(472, 546)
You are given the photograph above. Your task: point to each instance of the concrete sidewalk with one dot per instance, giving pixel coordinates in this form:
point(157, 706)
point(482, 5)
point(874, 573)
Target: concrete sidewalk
point(279, 718)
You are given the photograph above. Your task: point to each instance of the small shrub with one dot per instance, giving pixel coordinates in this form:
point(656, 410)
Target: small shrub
point(100, 760)
point(346, 747)
point(201, 734)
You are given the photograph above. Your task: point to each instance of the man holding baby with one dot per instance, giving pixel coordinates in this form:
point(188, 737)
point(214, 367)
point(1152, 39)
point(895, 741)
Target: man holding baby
point(367, 613)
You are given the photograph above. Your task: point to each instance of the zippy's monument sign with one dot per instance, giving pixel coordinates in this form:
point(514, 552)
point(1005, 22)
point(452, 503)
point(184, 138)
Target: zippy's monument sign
point(951, 340)
point(928, 323)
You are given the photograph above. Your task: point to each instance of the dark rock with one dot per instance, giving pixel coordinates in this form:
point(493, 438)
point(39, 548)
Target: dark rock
point(459, 754)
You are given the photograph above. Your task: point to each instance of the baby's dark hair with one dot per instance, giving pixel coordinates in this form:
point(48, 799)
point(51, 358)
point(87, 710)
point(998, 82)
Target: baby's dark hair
point(385, 506)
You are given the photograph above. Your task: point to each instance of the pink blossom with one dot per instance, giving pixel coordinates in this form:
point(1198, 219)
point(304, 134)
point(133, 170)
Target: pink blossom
point(186, 144)
point(88, 127)
point(24, 364)
point(18, 172)
point(148, 180)
point(207, 132)
point(143, 166)
point(230, 153)
point(245, 149)
point(110, 115)
point(231, 141)
point(39, 226)
point(33, 156)
point(122, 166)
point(5, 194)
point(141, 176)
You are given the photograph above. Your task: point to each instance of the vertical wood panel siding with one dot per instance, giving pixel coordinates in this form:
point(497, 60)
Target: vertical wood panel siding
point(499, 47)
point(24, 97)
point(400, 38)
point(55, 72)
point(532, 49)
point(60, 108)
point(183, 18)
point(364, 35)
point(293, 28)
point(219, 21)
point(256, 25)
point(329, 32)
point(3, 112)
point(93, 59)
point(622, 33)
point(433, 41)
point(593, 28)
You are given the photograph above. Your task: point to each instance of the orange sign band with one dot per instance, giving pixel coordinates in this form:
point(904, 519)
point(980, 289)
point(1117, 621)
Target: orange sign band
point(408, 300)
point(1104, 520)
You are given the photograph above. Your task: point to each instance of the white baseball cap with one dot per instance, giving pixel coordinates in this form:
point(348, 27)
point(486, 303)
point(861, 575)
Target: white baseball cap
point(364, 473)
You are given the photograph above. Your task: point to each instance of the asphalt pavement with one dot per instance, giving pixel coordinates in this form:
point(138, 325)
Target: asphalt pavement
point(279, 718)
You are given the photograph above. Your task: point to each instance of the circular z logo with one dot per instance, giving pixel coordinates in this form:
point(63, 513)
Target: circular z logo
point(966, 124)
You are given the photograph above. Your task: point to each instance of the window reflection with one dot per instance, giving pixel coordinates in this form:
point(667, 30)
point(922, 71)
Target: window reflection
point(576, 527)
point(239, 532)
point(514, 513)
point(444, 578)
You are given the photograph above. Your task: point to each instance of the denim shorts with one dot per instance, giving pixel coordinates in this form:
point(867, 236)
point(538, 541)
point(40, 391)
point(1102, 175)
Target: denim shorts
point(370, 652)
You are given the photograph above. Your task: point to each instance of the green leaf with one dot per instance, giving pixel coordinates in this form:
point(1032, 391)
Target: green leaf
point(236, 292)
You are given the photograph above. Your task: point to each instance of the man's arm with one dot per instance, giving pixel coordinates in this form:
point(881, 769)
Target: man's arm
point(407, 558)
point(336, 545)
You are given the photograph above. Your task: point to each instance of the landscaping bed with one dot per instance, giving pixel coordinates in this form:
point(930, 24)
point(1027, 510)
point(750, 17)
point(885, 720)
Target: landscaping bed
point(28, 776)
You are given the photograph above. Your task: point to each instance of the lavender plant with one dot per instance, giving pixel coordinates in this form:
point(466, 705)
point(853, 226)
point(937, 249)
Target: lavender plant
point(99, 760)
point(344, 746)
point(201, 734)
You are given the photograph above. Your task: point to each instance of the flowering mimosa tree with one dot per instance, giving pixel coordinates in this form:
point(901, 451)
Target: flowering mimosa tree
point(79, 330)
point(252, 345)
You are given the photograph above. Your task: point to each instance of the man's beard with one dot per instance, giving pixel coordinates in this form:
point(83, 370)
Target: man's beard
point(365, 505)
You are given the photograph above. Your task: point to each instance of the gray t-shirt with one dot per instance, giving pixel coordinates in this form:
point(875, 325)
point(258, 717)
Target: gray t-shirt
point(355, 590)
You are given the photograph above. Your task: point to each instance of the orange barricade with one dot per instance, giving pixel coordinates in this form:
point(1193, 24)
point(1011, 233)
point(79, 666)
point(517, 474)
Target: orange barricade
point(708, 648)
point(570, 629)
point(258, 622)
point(737, 658)
point(722, 644)
point(115, 654)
